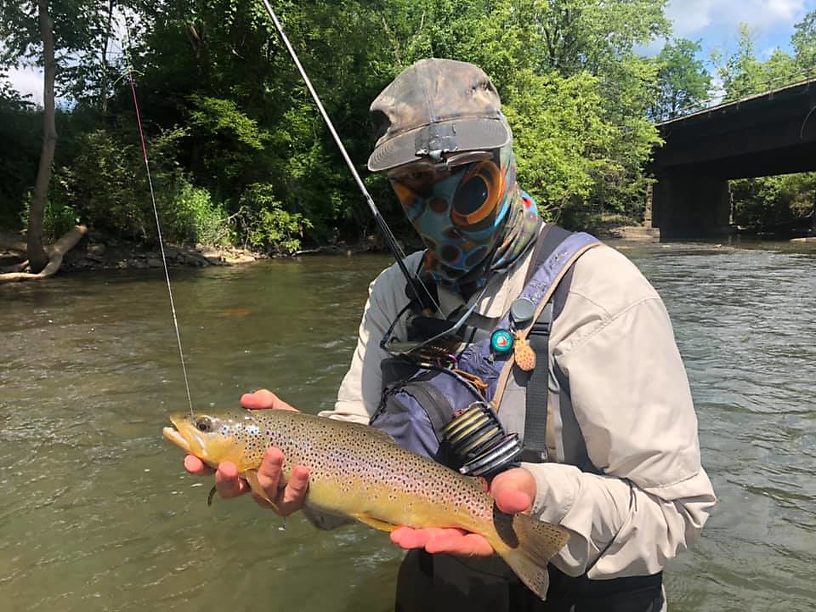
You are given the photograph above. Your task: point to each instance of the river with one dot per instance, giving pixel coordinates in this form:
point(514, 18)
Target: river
point(96, 512)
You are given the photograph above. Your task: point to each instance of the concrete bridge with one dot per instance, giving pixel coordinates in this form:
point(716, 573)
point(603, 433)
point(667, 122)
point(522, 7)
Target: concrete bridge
point(766, 134)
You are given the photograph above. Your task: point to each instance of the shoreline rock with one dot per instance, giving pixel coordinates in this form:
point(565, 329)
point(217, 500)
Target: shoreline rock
point(114, 254)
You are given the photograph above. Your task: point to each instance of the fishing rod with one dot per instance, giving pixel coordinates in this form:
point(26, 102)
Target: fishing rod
point(417, 287)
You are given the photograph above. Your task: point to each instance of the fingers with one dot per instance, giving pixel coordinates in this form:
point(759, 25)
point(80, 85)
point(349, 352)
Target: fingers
point(294, 494)
point(289, 498)
point(227, 481)
point(514, 490)
point(467, 544)
point(441, 540)
point(269, 474)
point(196, 466)
point(406, 537)
point(264, 399)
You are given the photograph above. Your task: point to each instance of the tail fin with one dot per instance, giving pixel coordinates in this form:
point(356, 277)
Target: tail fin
point(526, 545)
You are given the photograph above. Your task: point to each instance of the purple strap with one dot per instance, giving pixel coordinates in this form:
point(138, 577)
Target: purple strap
point(478, 359)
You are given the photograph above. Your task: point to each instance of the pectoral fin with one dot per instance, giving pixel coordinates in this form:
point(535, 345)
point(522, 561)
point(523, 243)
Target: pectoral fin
point(375, 523)
point(251, 476)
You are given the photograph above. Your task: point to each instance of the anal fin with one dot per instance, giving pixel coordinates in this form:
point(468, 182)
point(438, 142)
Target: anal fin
point(375, 523)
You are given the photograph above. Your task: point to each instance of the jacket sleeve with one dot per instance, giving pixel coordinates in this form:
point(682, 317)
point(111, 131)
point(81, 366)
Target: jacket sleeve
point(631, 399)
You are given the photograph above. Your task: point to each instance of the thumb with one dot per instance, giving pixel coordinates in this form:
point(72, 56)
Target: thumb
point(514, 490)
point(263, 399)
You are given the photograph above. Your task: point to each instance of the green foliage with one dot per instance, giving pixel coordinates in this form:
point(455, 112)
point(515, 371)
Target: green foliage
point(58, 219)
point(742, 74)
point(265, 225)
point(19, 130)
point(221, 119)
point(82, 29)
point(804, 44)
point(239, 152)
point(682, 80)
point(572, 88)
point(192, 217)
point(773, 200)
point(105, 180)
point(560, 138)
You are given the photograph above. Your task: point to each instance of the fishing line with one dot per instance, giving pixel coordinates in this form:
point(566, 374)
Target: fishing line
point(143, 142)
point(419, 289)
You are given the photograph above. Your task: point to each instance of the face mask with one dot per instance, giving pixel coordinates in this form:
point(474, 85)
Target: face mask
point(461, 215)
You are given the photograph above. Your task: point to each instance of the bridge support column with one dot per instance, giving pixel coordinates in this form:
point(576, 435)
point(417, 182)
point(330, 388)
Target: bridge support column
point(691, 205)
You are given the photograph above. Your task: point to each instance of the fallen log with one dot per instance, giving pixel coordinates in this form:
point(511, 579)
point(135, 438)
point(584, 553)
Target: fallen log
point(55, 254)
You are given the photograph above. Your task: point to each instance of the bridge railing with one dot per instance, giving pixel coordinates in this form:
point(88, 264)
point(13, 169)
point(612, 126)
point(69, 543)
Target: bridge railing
point(806, 76)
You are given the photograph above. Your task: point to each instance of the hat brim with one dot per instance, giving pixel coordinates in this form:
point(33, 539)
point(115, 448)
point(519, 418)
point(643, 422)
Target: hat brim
point(469, 134)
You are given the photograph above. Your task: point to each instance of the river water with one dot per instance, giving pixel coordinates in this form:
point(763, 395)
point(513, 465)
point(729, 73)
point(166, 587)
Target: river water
point(96, 512)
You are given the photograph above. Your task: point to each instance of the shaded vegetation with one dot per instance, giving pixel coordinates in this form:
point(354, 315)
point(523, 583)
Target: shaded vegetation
point(239, 154)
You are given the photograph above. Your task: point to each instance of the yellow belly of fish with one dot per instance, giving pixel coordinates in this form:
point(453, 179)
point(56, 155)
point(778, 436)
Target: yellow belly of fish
point(385, 509)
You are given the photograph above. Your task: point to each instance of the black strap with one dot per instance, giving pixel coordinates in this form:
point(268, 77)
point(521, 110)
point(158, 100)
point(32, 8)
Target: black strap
point(535, 419)
point(434, 402)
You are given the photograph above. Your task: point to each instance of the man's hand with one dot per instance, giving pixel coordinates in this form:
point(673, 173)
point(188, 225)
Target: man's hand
point(287, 499)
point(514, 492)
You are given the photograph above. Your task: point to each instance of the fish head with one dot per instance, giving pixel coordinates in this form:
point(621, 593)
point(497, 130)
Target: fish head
point(216, 438)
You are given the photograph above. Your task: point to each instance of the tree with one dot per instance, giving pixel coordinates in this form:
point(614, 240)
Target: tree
point(591, 35)
point(742, 74)
point(60, 28)
point(779, 70)
point(682, 80)
point(228, 116)
point(804, 43)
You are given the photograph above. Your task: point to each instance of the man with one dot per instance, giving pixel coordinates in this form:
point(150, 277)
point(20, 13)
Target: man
point(619, 465)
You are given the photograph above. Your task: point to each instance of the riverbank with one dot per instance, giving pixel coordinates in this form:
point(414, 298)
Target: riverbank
point(114, 254)
point(97, 252)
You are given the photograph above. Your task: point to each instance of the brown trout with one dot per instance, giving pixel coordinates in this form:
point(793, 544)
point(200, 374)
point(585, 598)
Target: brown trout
point(359, 472)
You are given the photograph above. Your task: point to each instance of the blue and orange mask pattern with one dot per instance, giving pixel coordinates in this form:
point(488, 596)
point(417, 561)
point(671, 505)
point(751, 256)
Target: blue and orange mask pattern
point(472, 216)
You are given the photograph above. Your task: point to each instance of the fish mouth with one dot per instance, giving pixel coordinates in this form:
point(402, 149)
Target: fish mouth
point(172, 434)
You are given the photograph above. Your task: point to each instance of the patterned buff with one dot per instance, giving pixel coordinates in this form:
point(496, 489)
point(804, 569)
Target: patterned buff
point(475, 222)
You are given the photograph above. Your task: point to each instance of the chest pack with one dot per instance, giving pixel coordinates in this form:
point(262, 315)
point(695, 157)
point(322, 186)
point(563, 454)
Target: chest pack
point(448, 412)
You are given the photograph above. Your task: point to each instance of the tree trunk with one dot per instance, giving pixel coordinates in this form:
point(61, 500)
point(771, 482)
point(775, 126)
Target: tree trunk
point(36, 252)
point(55, 254)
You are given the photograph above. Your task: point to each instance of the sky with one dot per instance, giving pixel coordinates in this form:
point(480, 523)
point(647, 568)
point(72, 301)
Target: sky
point(715, 23)
point(712, 22)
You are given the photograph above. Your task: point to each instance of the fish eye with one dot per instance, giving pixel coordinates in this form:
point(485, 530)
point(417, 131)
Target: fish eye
point(203, 424)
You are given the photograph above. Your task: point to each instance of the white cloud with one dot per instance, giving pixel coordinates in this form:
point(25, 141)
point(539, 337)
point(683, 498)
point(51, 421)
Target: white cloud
point(691, 17)
point(28, 81)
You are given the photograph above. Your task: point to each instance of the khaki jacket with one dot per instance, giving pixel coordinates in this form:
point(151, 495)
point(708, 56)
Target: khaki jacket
point(628, 398)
